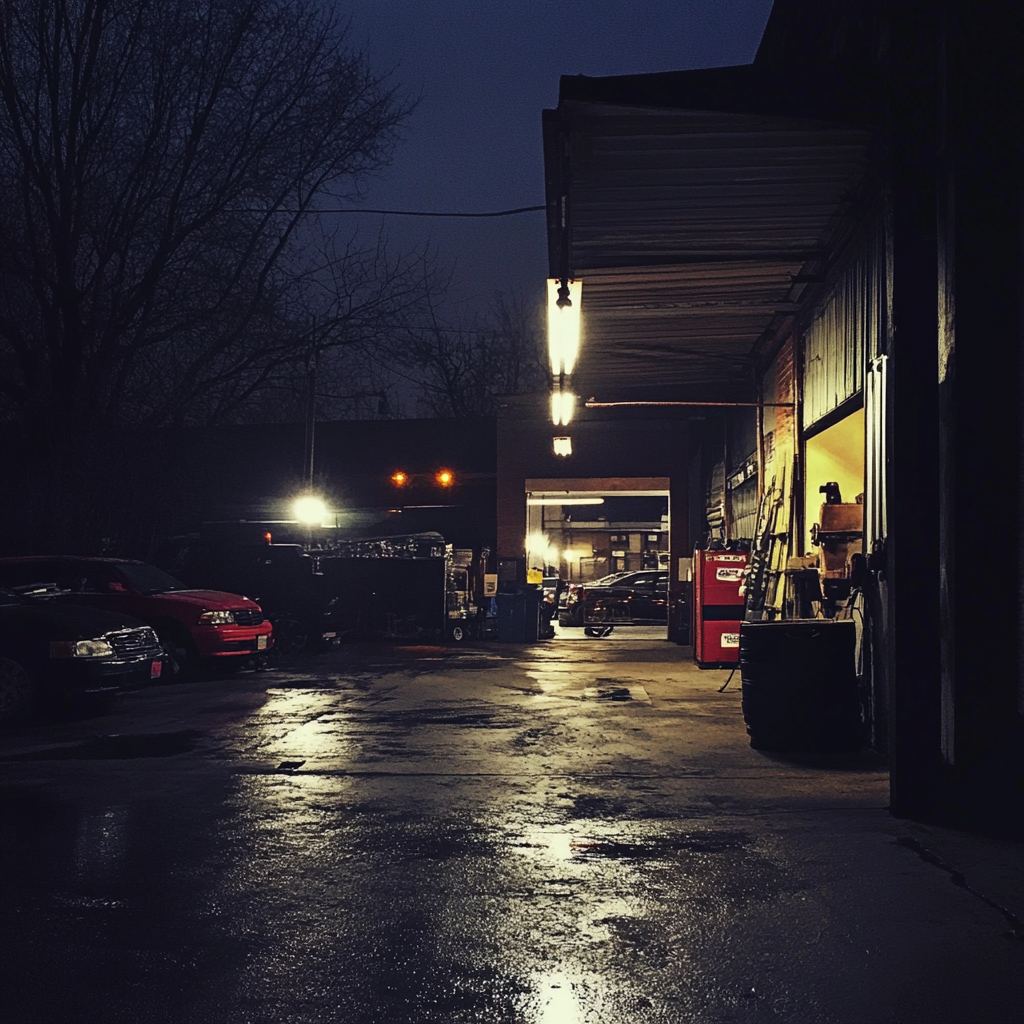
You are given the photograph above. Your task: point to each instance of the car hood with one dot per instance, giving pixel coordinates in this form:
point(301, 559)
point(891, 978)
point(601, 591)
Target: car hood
point(212, 600)
point(64, 621)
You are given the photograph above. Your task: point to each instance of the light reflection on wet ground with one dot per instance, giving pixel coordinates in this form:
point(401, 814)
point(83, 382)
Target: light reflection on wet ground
point(557, 835)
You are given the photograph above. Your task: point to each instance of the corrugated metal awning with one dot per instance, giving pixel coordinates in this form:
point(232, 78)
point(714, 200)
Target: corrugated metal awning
point(692, 230)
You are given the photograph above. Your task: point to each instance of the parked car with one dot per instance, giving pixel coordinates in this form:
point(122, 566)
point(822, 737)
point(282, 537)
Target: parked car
point(281, 578)
point(193, 625)
point(637, 598)
point(50, 650)
point(572, 603)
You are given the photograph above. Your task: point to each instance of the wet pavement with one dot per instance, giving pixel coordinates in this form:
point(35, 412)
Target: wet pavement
point(571, 832)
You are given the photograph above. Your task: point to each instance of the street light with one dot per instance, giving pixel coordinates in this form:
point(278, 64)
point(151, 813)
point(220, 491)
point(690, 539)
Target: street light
point(445, 477)
point(310, 509)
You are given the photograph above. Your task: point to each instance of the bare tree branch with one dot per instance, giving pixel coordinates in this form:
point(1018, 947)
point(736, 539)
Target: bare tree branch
point(160, 158)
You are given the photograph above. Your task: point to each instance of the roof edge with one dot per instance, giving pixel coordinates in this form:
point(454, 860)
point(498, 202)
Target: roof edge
point(832, 95)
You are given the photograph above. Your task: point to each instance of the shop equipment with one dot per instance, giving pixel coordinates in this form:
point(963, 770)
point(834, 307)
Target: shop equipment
point(718, 606)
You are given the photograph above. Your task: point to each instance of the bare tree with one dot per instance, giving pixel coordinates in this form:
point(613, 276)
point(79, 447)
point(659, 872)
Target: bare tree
point(160, 160)
point(348, 296)
point(458, 366)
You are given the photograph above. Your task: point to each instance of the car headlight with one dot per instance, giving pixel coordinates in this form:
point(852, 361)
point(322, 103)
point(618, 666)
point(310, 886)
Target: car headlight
point(219, 618)
point(81, 649)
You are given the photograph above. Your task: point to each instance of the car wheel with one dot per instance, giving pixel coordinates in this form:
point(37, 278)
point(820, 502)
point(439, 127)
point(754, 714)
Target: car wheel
point(17, 691)
point(458, 633)
point(182, 658)
point(290, 637)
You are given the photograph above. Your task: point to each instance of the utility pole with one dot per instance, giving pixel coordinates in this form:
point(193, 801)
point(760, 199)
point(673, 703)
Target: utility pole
point(307, 464)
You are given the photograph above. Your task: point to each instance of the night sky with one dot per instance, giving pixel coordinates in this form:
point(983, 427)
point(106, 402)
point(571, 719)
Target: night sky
point(483, 72)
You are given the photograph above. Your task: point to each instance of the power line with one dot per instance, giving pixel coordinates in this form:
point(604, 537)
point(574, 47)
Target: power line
point(415, 213)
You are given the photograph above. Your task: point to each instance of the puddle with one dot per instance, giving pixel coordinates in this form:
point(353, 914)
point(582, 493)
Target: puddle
point(116, 747)
point(473, 717)
point(654, 849)
point(618, 692)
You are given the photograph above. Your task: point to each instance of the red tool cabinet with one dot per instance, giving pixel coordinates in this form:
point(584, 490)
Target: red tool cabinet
point(717, 607)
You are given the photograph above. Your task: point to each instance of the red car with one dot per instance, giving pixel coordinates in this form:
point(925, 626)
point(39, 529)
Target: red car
point(192, 624)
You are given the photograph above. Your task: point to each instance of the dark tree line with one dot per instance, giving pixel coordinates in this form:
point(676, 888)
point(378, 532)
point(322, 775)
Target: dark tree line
point(162, 263)
point(160, 162)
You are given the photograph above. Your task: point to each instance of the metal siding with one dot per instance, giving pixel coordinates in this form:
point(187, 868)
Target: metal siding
point(689, 228)
point(844, 331)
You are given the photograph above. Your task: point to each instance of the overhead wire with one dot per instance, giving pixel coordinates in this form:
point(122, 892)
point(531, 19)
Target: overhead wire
point(411, 213)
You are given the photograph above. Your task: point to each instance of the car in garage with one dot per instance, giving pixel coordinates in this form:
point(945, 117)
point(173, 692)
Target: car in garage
point(194, 626)
point(635, 598)
point(573, 600)
point(50, 651)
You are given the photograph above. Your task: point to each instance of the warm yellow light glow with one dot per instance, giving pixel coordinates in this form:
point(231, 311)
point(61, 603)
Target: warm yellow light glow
point(399, 479)
point(566, 500)
point(563, 446)
point(557, 1001)
point(539, 549)
point(563, 405)
point(445, 477)
point(564, 327)
point(575, 554)
point(310, 509)
point(536, 544)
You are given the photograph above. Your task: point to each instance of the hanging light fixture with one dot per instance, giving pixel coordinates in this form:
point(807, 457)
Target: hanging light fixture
point(564, 300)
point(563, 405)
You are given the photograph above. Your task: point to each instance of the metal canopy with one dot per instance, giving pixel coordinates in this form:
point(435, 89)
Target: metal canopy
point(693, 231)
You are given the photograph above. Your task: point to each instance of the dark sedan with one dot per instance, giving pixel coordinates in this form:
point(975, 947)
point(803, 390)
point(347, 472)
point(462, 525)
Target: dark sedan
point(51, 651)
point(637, 598)
point(573, 604)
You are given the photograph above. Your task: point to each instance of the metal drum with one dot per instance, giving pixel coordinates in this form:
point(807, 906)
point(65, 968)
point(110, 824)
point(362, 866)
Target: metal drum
point(800, 685)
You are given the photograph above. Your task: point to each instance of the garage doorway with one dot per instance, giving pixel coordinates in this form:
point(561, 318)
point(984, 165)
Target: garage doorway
point(584, 531)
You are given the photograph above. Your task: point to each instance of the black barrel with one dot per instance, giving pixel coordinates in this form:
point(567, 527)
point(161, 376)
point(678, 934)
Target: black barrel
point(800, 684)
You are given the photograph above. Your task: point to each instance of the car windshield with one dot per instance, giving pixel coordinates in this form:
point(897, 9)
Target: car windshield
point(610, 578)
point(148, 579)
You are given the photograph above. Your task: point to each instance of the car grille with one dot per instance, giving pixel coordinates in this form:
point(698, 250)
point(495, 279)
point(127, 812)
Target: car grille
point(247, 616)
point(128, 643)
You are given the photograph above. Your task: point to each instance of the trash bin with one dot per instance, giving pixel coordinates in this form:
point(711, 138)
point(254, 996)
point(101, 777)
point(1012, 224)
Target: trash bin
point(800, 685)
point(531, 614)
point(519, 615)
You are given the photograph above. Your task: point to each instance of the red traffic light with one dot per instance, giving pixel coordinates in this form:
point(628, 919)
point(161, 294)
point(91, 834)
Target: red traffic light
point(445, 477)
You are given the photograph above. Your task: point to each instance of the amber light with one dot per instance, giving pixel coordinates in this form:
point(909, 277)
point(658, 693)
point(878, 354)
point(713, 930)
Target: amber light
point(399, 479)
point(445, 477)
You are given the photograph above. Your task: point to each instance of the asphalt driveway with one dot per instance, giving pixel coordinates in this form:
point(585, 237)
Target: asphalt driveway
point(565, 833)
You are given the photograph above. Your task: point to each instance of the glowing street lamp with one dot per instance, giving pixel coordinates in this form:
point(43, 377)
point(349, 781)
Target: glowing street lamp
point(399, 479)
point(310, 509)
point(445, 477)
